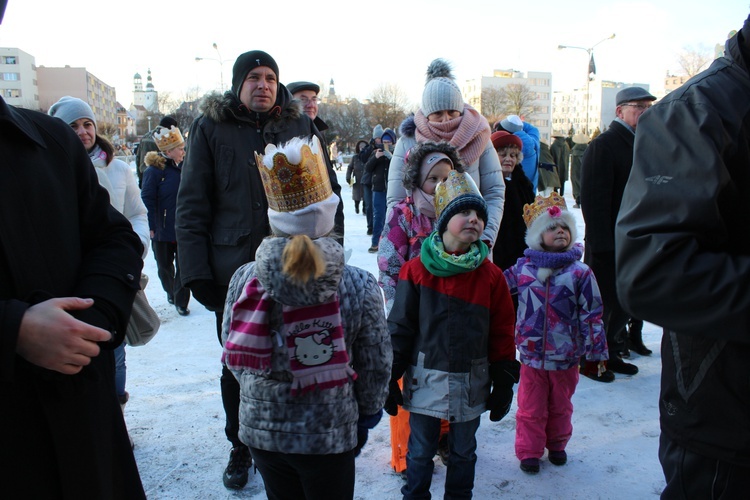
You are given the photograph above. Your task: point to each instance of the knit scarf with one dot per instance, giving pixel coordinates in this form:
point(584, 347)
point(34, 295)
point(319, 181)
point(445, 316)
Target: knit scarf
point(313, 335)
point(98, 157)
point(547, 262)
point(468, 133)
point(441, 263)
point(424, 202)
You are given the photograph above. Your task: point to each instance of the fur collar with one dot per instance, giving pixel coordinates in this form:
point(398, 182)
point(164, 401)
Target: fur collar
point(154, 159)
point(227, 107)
point(281, 289)
point(408, 128)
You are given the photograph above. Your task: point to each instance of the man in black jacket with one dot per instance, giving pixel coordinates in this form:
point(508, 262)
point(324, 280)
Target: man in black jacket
point(683, 260)
point(69, 268)
point(222, 211)
point(605, 170)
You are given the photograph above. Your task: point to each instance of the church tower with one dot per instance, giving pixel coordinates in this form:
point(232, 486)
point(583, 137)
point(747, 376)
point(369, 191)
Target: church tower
point(148, 97)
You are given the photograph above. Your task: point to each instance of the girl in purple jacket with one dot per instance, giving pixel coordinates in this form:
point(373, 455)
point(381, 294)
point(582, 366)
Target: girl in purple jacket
point(559, 320)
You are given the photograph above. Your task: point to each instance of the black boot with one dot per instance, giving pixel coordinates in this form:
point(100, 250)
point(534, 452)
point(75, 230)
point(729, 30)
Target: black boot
point(635, 338)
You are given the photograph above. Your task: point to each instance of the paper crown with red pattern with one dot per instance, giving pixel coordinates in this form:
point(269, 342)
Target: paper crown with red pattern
point(294, 175)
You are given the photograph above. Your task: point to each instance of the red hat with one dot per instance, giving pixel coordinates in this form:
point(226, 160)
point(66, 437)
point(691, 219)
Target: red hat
point(502, 138)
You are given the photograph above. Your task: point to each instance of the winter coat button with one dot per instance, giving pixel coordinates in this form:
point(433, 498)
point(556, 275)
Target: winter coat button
point(130, 277)
point(256, 205)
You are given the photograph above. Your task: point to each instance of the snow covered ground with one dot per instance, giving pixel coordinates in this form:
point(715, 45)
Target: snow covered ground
point(176, 419)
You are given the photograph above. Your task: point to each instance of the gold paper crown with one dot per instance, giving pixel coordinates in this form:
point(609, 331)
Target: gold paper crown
point(455, 185)
point(541, 204)
point(291, 186)
point(168, 138)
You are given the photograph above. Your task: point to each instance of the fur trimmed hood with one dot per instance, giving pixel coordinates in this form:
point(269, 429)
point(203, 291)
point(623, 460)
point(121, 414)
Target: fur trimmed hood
point(227, 107)
point(268, 260)
point(408, 128)
point(545, 220)
point(155, 159)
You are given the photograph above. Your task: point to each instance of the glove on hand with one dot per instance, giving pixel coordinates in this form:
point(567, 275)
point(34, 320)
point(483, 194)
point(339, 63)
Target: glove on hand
point(208, 293)
point(394, 399)
point(364, 424)
point(503, 374)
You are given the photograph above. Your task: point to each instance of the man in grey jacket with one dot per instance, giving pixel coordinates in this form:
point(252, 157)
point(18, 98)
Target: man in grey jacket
point(683, 262)
point(221, 205)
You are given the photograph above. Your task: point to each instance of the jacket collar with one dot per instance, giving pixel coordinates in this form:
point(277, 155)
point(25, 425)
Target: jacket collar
point(17, 119)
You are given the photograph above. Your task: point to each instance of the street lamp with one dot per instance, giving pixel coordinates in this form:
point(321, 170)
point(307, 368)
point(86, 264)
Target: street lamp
point(149, 123)
point(591, 70)
point(218, 60)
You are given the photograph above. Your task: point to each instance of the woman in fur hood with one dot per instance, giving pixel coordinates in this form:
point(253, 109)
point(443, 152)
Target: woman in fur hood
point(161, 180)
point(444, 116)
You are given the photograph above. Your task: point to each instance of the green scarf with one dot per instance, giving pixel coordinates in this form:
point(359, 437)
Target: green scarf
point(441, 263)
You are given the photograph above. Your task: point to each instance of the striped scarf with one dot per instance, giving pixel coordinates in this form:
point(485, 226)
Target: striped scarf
point(313, 335)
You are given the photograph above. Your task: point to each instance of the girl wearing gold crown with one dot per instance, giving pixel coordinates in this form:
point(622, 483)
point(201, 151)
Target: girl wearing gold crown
point(306, 337)
point(559, 321)
point(161, 179)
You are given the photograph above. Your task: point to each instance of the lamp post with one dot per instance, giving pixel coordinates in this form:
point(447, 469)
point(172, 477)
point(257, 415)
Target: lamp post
point(149, 123)
point(218, 60)
point(591, 69)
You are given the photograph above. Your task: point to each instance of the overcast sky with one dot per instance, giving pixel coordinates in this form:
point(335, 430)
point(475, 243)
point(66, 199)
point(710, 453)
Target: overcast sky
point(363, 45)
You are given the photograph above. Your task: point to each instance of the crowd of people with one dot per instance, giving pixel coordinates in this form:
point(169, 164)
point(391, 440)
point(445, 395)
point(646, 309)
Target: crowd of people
point(482, 284)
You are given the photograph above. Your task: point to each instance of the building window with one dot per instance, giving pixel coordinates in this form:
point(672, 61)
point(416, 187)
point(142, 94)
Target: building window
point(12, 93)
point(8, 60)
point(10, 76)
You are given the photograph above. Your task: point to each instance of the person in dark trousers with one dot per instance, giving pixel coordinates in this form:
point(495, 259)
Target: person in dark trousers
point(222, 208)
point(683, 262)
point(69, 269)
point(605, 170)
point(306, 410)
point(561, 156)
point(161, 181)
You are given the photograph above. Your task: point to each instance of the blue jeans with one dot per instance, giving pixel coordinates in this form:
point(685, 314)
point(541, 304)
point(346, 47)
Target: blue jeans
point(423, 443)
point(378, 215)
point(367, 195)
point(120, 370)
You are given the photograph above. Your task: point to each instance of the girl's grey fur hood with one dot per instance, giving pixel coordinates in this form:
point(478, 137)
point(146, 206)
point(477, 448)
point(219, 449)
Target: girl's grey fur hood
point(285, 291)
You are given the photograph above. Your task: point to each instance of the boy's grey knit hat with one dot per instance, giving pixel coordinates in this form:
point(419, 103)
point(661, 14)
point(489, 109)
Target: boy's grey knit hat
point(70, 109)
point(441, 92)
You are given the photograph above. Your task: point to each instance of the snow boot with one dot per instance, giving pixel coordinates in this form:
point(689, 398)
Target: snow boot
point(235, 475)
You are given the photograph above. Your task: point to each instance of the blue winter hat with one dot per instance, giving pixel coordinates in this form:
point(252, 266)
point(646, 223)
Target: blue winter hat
point(70, 109)
point(388, 134)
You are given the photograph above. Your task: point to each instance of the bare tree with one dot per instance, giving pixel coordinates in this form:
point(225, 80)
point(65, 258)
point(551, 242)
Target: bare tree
point(693, 61)
point(518, 99)
point(387, 107)
point(183, 106)
point(347, 123)
point(492, 104)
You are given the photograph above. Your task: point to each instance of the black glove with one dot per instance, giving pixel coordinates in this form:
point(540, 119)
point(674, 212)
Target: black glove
point(208, 293)
point(364, 424)
point(503, 374)
point(394, 399)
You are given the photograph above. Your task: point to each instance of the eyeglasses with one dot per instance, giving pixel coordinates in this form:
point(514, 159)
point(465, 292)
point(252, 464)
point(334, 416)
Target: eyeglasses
point(305, 100)
point(642, 107)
